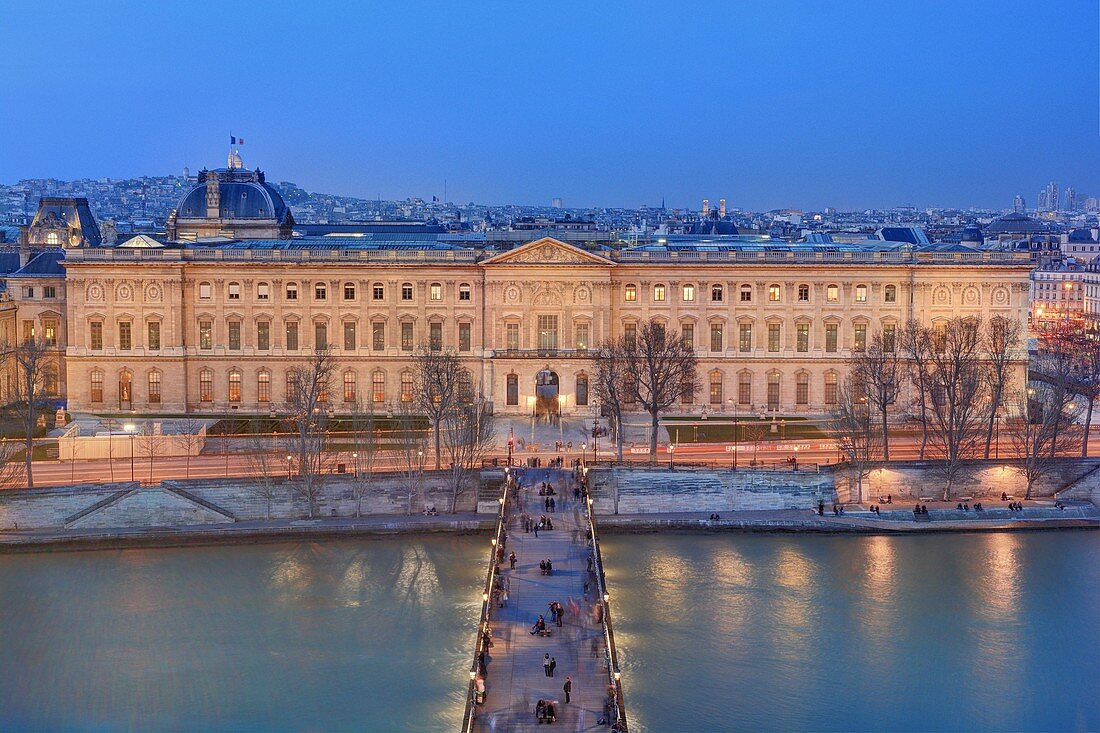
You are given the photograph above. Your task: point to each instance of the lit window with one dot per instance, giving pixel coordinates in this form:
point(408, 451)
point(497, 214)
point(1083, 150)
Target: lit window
point(773, 336)
point(861, 293)
point(832, 293)
point(435, 292)
point(206, 334)
point(891, 294)
point(802, 337)
point(631, 293)
point(658, 293)
point(154, 386)
point(689, 293)
point(715, 393)
point(206, 386)
point(263, 386)
point(773, 293)
point(234, 386)
point(716, 337)
point(406, 387)
point(803, 293)
point(378, 387)
point(860, 337)
point(350, 386)
point(744, 337)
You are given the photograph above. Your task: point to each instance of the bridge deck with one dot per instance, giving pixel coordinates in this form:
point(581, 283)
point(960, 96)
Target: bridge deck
point(516, 679)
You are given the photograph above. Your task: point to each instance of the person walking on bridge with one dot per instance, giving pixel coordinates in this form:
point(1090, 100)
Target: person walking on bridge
point(546, 665)
point(567, 687)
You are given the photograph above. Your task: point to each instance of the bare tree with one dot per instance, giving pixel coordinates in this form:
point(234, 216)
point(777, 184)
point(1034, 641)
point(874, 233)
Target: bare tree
point(660, 368)
point(109, 424)
point(754, 432)
point(958, 377)
point(611, 386)
point(150, 446)
point(1082, 353)
point(35, 375)
point(308, 402)
point(468, 432)
point(878, 371)
point(439, 378)
point(12, 467)
point(267, 476)
point(407, 444)
point(190, 439)
point(365, 445)
point(917, 345)
point(1048, 424)
point(1002, 342)
point(857, 437)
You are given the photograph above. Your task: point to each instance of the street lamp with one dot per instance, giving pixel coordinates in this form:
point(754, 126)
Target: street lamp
point(289, 467)
point(511, 443)
point(130, 428)
point(355, 463)
point(584, 447)
point(671, 454)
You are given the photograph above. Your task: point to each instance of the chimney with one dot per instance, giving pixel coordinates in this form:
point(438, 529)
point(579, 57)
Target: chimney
point(721, 208)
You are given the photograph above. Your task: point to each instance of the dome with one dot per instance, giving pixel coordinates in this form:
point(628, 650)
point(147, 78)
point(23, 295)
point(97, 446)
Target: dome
point(1081, 236)
point(242, 195)
point(1016, 224)
point(971, 234)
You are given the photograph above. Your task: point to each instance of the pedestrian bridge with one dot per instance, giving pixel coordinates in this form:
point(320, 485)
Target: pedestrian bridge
point(508, 681)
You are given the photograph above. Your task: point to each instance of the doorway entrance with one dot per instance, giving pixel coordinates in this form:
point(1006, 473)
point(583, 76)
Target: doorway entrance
point(547, 405)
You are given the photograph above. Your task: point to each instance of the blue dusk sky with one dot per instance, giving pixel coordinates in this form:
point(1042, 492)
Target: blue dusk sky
point(767, 103)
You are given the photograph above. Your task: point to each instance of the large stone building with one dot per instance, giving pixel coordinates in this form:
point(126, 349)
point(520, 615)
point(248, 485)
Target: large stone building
point(212, 320)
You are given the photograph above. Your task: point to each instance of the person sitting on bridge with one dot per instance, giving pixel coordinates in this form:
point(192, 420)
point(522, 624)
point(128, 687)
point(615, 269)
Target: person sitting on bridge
point(540, 710)
point(539, 627)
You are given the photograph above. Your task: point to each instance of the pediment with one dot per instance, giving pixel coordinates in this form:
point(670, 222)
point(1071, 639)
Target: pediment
point(547, 251)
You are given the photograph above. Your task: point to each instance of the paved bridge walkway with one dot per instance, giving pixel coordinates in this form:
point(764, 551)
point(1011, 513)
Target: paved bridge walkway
point(516, 678)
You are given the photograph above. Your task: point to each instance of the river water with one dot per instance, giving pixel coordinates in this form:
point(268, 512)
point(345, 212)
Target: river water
point(717, 632)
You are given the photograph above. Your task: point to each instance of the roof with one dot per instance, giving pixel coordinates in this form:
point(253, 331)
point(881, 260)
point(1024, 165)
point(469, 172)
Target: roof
point(1081, 235)
point(1015, 223)
point(46, 263)
point(243, 194)
point(330, 242)
point(9, 261)
point(142, 240)
point(9, 233)
point(69, 212)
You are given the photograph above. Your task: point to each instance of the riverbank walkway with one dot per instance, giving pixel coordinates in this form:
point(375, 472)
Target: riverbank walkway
point(516, 678)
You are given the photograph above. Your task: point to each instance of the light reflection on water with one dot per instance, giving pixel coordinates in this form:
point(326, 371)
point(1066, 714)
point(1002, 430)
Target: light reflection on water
point(935, 632)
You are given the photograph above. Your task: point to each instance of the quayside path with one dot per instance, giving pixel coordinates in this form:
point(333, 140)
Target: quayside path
point(513, 675)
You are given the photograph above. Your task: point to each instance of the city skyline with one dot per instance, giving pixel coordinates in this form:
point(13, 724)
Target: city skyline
point(789, 107)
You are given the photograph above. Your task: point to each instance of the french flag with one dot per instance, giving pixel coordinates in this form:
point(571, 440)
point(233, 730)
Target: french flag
point(236, 140)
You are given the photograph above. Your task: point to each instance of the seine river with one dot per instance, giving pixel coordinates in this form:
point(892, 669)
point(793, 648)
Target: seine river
point(718, 632)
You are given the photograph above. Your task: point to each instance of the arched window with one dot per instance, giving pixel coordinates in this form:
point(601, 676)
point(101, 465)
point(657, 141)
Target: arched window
point(802, 389)
point(291, 387)
point(512, 390)
point(125, 386)
point(234, 291)
point(349, 291)
point(689, 293)
point(349, 385)
point(464, 292)
point(154, 387)
point(582, 390)
point(435, 292)
point(53, 239)
point(861, 293)
point(830, 388)
point(378, 386)
point(832, 293)
point(746, 293)
point(744, 388)
point(263, 386)
point(716, 293)
point(716, 388)
point(292, 291)
point(96, 391)
point(773, 391)
point(406, 386)
point(206, 386)
point(206, 291)
point(406, 291)
point(630, 293)
point(378, 291)
point(890, 294)
point(234, 385)
point(803, 293)
point(263, 291)
point(320, 291)
point(658, 293)
point(774, 293)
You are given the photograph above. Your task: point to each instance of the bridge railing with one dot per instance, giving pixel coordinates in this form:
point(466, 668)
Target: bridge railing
point(486, 604)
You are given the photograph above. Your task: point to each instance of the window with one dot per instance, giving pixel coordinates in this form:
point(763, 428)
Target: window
point(658, 293)
point(263, 386)
point(464, 292)
point(406, 387)
point(859, 333)
point(378, 387)
point(234, 335)
point(773, 293)
point(802, 389)
point(689, 293)
point(687, 390)
point(349, 291)
point(95, 335)
point(49, 332)
point(349, 335)
point(291, 335)
point(830, 337)
point(631, 293)
point(378, 291)
point(511, 395)
point(28, 292)
point(773, 391)
point(630, 333)
point(802, 337)
point(435, 336)
point(154, 387)
point(263, 291)
point(716, 293)
point(49, 291)
point(832, 293)
point(830, 389)
point(890, 294)
point(406, 291)
point(803, 293)
point(97, 386)
point(206, 386)
point(263, 335)
point(511, 336)
point(582, 390)
point(687, 334)
point(744, 337)
point(716, 337)
point(234, 291)
point(28, 331)
point(889, 337)
point(205, 291)
point(407, 336)
point(465, 387)
point(746, 293)
point(291, 291)
point(378, 336)
point(548, 332)
point(715, 394)
point(773, 336)
point(861, 293)
point(744, 389)
point(581, 340)
point(53, 239)
point(435, 292)
point(320, 291)
point(939, 337)
point(125, 338)
point(464, 337)
point(291, 387)
point(349, 386)
point(153, 339)
point(320, 336)
point(234, 385)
